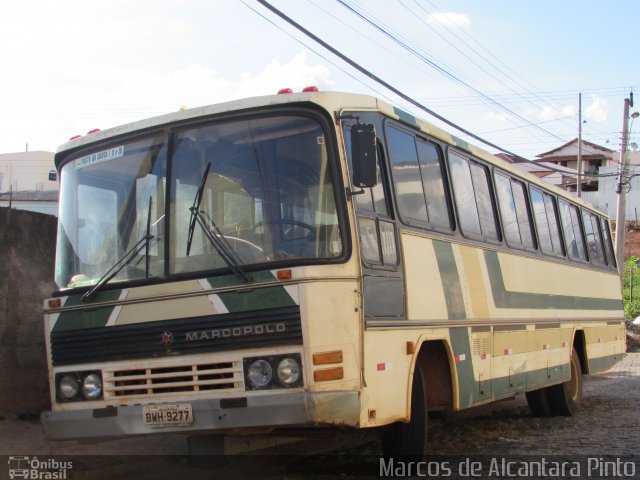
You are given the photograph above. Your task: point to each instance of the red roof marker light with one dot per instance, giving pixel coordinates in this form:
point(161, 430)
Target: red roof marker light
point(285, 90)
point(311, 88)
point(74, 137)
point(95, 130)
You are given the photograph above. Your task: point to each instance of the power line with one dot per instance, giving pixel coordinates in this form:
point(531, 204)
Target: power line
point(391, 88)
point(446, 72)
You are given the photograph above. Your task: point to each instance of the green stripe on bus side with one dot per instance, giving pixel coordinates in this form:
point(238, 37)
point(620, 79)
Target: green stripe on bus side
point(461, 345)
point(508, 299)
point(450, 280)
point(462, 144)
point(470, 390)
point(405, 117)
point(604, 363)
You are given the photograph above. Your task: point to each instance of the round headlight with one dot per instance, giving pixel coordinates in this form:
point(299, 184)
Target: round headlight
point(288, 371)
point(260, 373)
point(68, 387)
point(92, 386)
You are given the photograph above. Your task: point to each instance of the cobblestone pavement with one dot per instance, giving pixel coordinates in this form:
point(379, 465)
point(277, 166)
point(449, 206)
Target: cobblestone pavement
point(607, 424)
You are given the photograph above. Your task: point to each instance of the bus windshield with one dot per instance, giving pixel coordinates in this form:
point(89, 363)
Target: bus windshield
point(263, 188)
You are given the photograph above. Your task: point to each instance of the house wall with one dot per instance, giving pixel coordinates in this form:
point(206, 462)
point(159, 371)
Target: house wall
point(26, 171)
point(606, 198)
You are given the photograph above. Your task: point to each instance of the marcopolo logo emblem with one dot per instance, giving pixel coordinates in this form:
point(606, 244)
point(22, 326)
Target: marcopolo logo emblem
point(166, 337)
point(33, 468)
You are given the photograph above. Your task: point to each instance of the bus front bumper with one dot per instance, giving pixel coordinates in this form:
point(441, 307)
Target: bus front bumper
point(287, 409)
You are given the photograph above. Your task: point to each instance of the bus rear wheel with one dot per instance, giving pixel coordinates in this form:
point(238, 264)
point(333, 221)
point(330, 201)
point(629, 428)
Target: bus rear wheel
point(538, 401)
point(566, 397)
point(410, 439)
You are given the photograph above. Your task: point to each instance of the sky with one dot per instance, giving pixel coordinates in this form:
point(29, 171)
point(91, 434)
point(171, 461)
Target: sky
point(509, 71)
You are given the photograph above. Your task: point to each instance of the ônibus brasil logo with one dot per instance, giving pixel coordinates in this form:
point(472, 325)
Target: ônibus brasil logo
point(33, 468)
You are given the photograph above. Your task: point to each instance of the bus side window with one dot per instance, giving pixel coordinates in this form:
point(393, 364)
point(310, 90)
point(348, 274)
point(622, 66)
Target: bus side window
point(516, 221)
point(472, 196)
point(372, 199)
point(545, 214)
point(572, 231)
point(608, 245)
point(377, 229)
point(594, 238)
point(419, 181)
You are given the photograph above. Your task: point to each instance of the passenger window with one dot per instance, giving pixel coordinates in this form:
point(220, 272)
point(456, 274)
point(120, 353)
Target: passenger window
point(515, 213)
point(544, 212)
point(377, 229)
point(473, 198)
point(608, 245)
point(372, 199)
point(418, 180)
point(594, 238)
point(572, 231)
point(369, 240)
point(433, 184)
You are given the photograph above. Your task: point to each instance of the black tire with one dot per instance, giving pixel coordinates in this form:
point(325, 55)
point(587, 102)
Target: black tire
point(538, 401)
point(410, 439)
point(566, 397)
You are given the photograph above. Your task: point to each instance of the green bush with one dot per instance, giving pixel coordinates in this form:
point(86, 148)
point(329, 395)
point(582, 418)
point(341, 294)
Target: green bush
point(631, 306)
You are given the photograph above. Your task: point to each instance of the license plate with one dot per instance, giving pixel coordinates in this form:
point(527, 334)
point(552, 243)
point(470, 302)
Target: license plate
point(167, 415)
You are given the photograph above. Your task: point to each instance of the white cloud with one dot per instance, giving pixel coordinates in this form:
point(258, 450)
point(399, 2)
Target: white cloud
point(296, 74)
point(598, 110)
point(450, 19)
point(498, 116)
point(553, 113)
point(123, 94)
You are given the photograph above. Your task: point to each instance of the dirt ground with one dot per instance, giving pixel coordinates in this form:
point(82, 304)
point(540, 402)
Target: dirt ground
point(632, 240)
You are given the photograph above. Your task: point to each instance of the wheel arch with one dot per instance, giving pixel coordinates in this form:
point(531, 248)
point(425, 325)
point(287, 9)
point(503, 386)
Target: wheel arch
point(435, 358)
point(580, 346)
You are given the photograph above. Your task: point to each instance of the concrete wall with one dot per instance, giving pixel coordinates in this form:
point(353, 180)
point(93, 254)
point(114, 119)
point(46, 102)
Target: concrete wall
point(27, 248)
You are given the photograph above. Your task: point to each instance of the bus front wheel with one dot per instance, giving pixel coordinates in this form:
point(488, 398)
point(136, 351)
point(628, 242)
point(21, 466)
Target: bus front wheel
point(410, 439)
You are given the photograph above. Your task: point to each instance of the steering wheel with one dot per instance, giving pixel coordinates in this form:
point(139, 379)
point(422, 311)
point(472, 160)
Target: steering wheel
point(284, 221)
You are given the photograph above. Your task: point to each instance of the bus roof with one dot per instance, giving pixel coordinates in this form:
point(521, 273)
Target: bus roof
point(332, 102)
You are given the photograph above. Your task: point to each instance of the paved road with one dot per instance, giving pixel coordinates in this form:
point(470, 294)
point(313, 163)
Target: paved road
point(607, 424)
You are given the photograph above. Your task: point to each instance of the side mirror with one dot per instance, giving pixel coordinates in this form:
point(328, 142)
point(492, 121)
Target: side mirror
point(363, 155)
point(53, 176)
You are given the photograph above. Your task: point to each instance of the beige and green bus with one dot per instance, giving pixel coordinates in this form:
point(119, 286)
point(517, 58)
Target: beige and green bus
point(311, 261)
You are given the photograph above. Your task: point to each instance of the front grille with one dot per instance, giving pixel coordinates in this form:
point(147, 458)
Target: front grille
point(211, 333)
point(136, 383)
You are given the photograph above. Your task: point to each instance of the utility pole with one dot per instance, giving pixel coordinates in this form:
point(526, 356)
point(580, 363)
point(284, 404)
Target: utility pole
point(579, 189)
point(622, 185)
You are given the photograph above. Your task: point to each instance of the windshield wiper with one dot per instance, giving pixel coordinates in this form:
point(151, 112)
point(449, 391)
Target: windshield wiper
point(144, 242)
point(213, 232)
